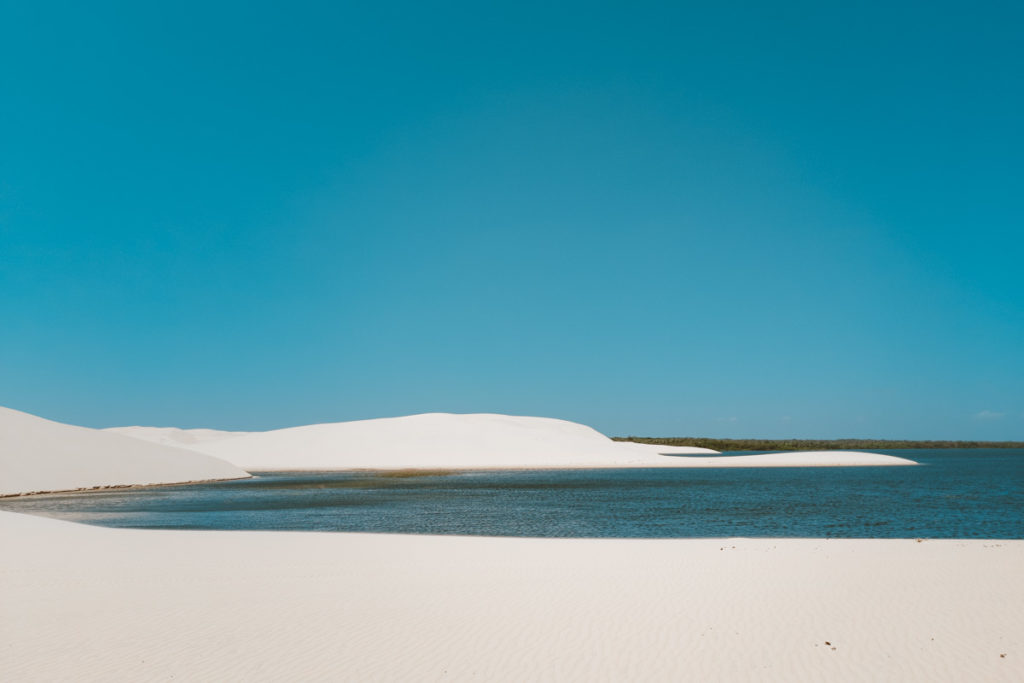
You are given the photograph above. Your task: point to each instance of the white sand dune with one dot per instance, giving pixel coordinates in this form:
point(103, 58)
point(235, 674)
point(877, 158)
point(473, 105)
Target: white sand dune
point(92, 604)
point(41, 455)
point(173, 436)
point(433, 440)
point(443, 440)
point(796, 459)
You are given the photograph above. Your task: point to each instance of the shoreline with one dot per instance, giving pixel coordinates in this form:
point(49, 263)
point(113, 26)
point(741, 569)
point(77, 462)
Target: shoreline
point(706, 462)
point(119, 487)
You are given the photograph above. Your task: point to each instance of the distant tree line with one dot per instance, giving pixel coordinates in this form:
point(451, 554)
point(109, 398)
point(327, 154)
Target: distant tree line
point(810, 444)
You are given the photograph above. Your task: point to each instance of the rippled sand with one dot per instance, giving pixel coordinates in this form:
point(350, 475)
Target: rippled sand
point(90, 604)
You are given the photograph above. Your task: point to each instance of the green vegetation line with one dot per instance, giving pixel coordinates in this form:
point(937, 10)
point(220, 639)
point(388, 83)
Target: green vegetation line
point(810, 444)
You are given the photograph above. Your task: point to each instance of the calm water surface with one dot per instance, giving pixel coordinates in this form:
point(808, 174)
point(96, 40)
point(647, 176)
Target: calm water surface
point(953, 494)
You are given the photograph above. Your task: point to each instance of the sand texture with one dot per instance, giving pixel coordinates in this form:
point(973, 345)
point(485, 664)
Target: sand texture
point(90, 604)
point(41, 455)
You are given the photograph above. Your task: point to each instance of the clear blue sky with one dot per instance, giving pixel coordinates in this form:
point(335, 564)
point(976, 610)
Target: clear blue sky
point(721, 219)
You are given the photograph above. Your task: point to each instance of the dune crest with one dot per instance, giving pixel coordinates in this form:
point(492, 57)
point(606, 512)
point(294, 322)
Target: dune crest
point(174, 436)
point(481, 441)
point(432, 440)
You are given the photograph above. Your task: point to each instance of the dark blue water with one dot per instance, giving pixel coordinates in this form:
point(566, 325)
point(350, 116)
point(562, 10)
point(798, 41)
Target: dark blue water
point(953, 494)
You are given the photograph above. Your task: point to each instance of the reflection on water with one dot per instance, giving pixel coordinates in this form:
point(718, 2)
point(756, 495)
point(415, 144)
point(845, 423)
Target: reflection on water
point(954, 494)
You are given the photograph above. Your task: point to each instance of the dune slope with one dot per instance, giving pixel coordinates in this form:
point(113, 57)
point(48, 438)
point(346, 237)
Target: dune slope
point(431, 440)
point(40, 455)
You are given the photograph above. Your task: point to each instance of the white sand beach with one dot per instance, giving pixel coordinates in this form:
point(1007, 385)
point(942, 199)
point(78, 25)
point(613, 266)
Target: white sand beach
point(85, 603)
point(91, 604)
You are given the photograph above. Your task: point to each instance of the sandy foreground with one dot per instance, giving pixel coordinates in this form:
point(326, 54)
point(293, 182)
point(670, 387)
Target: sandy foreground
point(88, 604)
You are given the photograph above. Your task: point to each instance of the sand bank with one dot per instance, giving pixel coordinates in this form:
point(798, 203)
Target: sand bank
point(796, 459)
point(41, 455)
point(478, 441)
point(90, 604)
